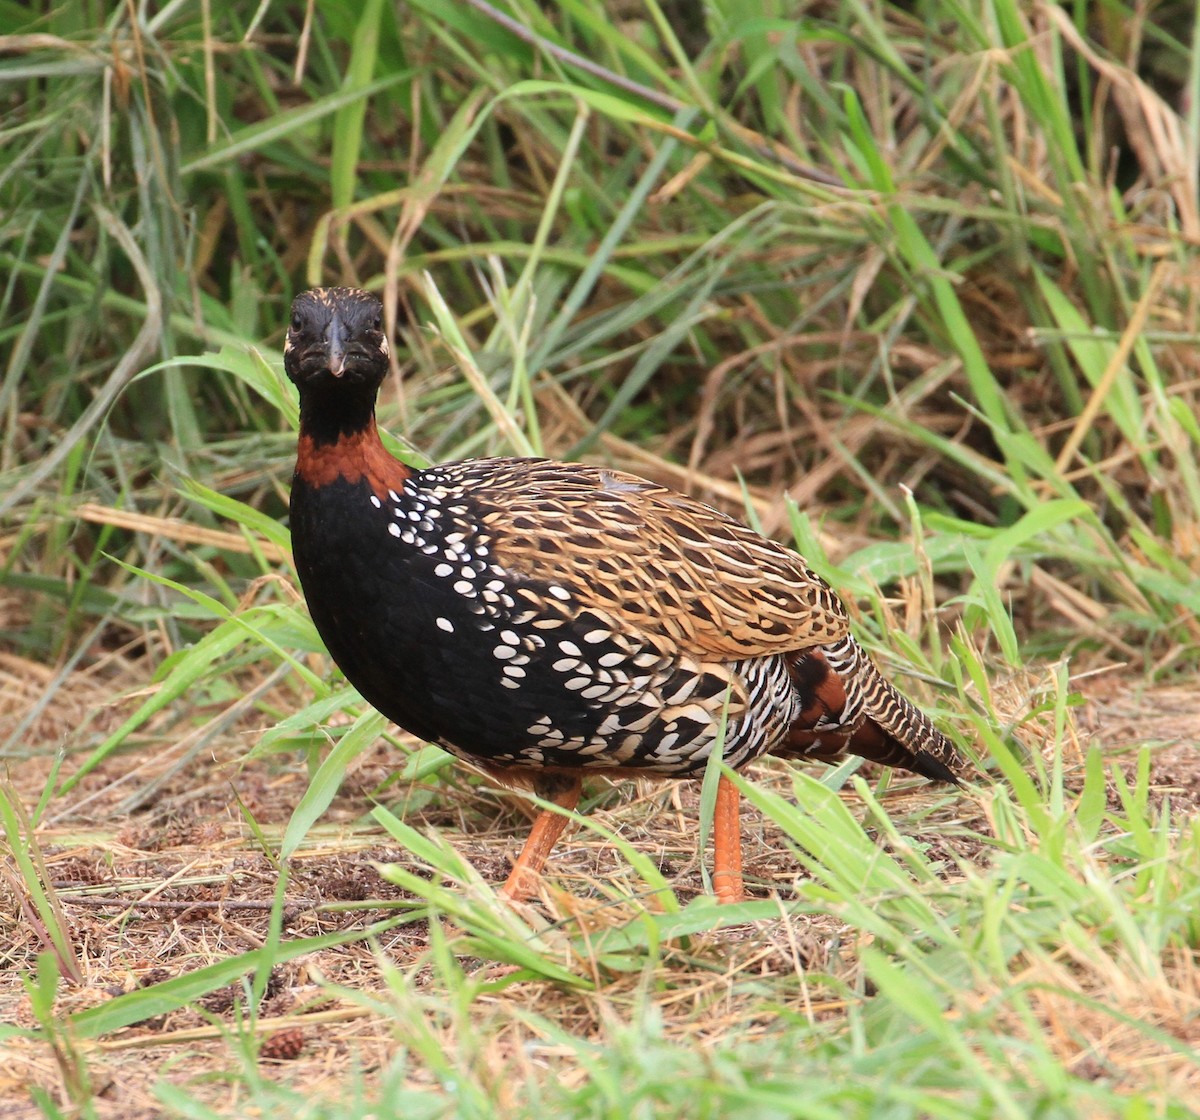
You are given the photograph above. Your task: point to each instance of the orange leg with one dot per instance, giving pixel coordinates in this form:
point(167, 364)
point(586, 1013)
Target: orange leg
point(727, 844)
point(547, 828)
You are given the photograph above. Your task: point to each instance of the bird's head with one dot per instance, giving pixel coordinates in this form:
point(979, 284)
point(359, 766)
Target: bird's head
point(336, 335)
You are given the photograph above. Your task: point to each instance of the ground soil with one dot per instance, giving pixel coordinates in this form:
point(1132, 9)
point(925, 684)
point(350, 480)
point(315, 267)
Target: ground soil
point(159, 873)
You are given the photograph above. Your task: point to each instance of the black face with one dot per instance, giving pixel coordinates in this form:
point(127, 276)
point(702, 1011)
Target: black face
point(336, 334)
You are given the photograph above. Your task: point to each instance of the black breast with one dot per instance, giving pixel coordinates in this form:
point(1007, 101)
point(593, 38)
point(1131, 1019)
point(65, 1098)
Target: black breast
point(504, 666)
point(415, 612)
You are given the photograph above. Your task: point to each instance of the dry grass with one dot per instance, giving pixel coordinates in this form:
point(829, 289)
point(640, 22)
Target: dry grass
point(182, 882)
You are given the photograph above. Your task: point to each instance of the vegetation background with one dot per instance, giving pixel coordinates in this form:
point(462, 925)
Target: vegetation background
point(915, 285)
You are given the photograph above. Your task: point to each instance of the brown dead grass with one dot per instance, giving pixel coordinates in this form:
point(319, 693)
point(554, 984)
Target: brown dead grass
point(177, 882)
point(42, 706)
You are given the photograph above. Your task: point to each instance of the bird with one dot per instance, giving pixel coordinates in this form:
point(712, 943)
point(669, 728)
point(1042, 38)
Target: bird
point(548, 620)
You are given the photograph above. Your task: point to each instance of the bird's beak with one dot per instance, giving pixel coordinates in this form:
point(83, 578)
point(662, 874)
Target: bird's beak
point(337, 348)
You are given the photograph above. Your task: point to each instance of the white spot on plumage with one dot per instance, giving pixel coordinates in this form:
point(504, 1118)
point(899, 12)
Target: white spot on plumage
point(443, 570)
point(503, 653)
point(394, 529)
point(393, 495)
point(445, 624)
point(376, 502)
point(464, 587)
point(570, 648)
point(559, 592)
point(684, 691)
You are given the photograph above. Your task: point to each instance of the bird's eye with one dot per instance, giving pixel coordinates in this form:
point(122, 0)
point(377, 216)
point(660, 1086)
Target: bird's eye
point(297, 322)
point(378, 322)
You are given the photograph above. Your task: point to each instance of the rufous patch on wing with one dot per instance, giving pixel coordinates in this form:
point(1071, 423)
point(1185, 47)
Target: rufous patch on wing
point(353, 457)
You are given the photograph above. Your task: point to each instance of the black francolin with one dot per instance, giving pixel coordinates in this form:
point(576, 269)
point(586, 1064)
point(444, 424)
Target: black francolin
point(546, 620)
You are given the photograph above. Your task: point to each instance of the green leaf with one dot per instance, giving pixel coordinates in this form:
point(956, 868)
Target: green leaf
point(348, 121)
point(170, 995)
point(324, 785)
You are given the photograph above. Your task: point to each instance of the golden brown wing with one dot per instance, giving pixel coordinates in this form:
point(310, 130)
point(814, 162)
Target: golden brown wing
point(664, 563)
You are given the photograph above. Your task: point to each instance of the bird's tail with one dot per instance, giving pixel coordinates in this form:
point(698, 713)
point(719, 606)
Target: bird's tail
point(873, 719)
